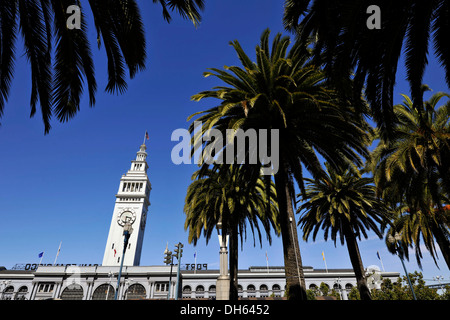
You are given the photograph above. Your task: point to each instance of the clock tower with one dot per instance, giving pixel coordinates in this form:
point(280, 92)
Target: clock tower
point(132, 201)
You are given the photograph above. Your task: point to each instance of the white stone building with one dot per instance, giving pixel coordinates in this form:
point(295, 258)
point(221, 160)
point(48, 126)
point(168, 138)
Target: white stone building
point(152, 282)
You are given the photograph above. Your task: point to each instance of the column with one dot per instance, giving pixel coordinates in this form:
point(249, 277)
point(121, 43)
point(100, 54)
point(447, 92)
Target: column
point(57, 290)
point(33, 290)
point(223, 281)
point(152, 289)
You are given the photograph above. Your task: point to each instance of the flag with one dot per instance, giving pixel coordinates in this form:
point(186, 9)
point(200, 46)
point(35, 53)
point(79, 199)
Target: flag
point(115, 253)
point(146, 135)
point(41, 254)
point(378, 255)
point(323, 255)
point(267, 257)
point(195, 254)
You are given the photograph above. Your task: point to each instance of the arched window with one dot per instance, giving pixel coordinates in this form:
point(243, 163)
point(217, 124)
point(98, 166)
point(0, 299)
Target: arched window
point(337, 286)
point(263, 287)
point(20, 295)
point(251, 288)
point(348, 286)
point(239, 288)
point(72, 292)
point(8, 293)
point(104, 292)
point(187, 289)
point(135, 291)
point(276, 287)
point(312, 286)
point(212, 289)
point(200, 289)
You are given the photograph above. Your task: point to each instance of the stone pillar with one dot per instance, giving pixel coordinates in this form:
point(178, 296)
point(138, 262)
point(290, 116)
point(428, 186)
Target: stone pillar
point(223, 281)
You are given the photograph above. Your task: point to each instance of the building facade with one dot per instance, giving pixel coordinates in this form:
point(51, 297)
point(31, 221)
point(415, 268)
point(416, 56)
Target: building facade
point(152, 282)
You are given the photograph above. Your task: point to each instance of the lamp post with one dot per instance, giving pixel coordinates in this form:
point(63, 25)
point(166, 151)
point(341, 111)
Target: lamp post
point(338, 282)
point(168, 259)
point(178, 253)
point(128, 284)
point(127, 231)
point(438, 279)
point(110, 279)
point(398, 248)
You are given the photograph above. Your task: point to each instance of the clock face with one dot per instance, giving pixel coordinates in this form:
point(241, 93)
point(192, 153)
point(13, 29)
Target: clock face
point(126, 216)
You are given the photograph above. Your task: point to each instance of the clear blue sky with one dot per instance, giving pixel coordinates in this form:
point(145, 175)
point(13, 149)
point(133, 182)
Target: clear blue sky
point(61, 187)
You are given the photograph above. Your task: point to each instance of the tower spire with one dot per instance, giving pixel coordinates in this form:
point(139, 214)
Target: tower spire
point(132, 201)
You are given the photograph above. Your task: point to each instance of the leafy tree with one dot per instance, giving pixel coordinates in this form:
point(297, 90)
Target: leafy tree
point(446, 293)
point(324, 289)
point(310, 294)
point(354, 294)
point(284, 91)
point(345, 44)
point(343, 204)
point(400, 290)
point(57, 82)
point(225, 194)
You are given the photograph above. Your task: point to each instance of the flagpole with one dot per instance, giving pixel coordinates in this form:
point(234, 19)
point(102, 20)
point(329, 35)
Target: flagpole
point(41, 258)
point(267, 261)
point(325, 261)
point(381, 261)
point(145, 136)
point(195, 262)
point(57, 253)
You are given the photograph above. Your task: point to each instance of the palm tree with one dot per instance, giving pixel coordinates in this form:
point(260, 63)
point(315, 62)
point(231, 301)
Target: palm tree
point(343, 204)
point(43, 24)
point(346, 44)
point(417, 226)
point(228, 195)
point(284, 91)
point(411, 172)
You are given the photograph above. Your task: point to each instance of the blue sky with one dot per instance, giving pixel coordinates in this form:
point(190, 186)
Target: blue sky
point(61, 186)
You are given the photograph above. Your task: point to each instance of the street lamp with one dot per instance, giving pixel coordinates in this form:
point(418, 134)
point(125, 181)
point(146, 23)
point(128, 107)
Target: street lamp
point(338, 283)
point(168, 259)
point(438, 279)
point(399, 249)
point(127, 231)
point(178, 254)
point(110, 279)
point(128, 283)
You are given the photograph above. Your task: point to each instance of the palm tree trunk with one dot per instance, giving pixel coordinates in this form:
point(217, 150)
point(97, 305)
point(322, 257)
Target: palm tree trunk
point(234, 265)
point(358, 267)
point(295, 278)
point(442, 242)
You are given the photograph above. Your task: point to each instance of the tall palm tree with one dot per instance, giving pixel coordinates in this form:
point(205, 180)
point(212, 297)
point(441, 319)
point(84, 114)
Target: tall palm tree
point(411, 172)
point(417, 226)
point(57, 82)
point(284, 91)
point(343, 204)
point(346, 44)
point(228, 194)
